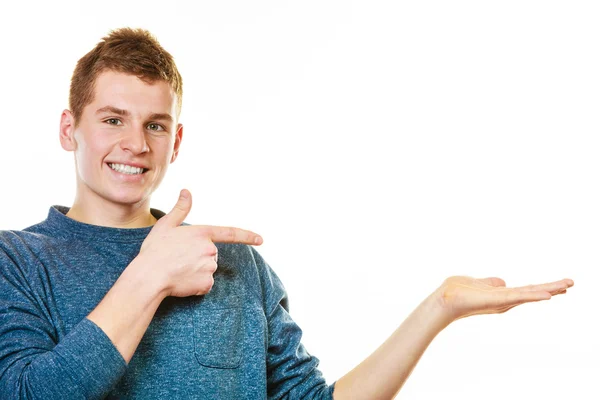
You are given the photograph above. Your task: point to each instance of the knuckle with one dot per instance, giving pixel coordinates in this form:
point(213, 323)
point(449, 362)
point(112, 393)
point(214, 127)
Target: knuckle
point(200, 233)
point(209, 266)
point(213, 267)
point(208, 284)
point(210, 249)
point(230, 233)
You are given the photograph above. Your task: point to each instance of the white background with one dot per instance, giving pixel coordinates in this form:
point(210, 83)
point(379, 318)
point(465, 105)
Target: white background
point(378, 147)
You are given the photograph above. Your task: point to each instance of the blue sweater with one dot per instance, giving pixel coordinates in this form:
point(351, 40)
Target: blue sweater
point(236, 342)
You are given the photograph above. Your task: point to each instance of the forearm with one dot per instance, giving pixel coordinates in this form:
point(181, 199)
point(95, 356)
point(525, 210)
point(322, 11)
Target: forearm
point(383, 373)
point(126, 311)
point(83, 365)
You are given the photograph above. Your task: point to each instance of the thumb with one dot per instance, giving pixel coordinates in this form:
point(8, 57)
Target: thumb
point(180, 210)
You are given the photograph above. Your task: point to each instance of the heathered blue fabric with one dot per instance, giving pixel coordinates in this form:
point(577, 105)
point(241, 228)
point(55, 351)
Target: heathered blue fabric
point(236, 342)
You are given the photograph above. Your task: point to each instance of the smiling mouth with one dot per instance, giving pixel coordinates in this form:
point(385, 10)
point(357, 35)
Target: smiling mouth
point(144, 170)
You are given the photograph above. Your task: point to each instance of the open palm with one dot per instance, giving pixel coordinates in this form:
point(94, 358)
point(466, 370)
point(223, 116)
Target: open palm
point(463, 296)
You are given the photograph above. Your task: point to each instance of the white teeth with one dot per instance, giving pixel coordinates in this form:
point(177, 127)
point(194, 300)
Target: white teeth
point(126, 169)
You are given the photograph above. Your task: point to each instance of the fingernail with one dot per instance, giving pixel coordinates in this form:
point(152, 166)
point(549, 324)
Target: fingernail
point(257, 240)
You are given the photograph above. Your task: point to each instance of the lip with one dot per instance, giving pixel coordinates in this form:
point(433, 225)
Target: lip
point(125, 177)
point(128, 163)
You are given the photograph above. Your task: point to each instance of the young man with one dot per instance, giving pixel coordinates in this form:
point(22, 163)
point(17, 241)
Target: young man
point(110, 298)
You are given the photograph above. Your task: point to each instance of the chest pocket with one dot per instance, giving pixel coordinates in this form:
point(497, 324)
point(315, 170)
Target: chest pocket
point(218, 336)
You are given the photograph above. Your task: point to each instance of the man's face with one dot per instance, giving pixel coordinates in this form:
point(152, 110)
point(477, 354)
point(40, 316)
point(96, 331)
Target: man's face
point(129, 122)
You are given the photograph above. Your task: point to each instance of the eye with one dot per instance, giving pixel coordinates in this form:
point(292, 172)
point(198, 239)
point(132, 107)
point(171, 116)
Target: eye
point(113, 121)
point(156, 127)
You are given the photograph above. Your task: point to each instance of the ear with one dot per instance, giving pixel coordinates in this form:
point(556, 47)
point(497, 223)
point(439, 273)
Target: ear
point(178, 137)
point(67, 131)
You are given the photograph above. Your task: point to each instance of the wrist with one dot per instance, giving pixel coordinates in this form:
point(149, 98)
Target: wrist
point(437, 307)
point(139, 272)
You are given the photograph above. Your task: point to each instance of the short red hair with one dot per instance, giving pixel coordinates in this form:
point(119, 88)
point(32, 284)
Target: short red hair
point(131, 51)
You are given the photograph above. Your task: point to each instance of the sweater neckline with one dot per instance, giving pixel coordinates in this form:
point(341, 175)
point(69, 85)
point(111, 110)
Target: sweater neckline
point(61, 225)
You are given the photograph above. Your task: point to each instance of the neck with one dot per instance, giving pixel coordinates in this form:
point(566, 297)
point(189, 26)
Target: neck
point(105, 213)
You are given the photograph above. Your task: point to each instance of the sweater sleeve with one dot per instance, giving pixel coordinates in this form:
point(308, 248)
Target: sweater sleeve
point(84, 364)
point(292, 372)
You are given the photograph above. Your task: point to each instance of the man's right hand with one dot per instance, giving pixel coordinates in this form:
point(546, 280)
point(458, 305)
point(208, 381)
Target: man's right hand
point(184, 258)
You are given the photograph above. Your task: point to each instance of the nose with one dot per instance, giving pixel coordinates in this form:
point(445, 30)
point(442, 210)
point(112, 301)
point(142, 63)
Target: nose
point(134, 140)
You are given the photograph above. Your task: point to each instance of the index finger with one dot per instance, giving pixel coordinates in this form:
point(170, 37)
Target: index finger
point(548, 287)
point(228, 234)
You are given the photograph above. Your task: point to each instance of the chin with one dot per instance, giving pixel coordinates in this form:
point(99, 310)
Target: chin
point(127, 198)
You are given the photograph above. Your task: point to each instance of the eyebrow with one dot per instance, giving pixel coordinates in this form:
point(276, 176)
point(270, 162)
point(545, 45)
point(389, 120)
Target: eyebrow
point(125, 113)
